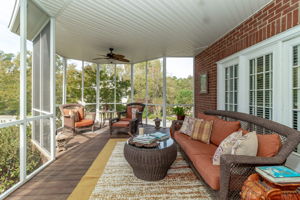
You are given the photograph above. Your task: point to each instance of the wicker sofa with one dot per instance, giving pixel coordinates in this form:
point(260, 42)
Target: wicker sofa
point(234, 169)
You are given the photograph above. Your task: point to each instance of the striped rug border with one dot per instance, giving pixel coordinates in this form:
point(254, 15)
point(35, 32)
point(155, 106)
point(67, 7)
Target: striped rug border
point(85, 187)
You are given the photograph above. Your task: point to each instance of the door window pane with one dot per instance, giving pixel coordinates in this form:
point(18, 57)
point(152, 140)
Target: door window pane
point(231, 86)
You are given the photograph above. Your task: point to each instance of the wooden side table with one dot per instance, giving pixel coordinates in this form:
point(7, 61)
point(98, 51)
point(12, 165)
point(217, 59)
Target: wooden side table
point(258, 188)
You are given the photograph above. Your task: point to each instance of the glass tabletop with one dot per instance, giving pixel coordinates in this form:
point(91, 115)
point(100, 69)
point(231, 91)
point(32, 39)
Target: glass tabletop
point(162, 144)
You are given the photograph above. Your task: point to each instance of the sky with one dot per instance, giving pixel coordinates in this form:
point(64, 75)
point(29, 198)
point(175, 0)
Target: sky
point(10, 43)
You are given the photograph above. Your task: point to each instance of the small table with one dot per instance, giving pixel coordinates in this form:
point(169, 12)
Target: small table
point(151, 164)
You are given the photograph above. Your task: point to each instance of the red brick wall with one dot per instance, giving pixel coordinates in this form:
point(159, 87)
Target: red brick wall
point(276, 17)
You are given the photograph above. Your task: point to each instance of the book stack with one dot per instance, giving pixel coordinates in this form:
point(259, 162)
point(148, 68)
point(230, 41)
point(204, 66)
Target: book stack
point(144, 139)
point(279, 174)
point(159, 136)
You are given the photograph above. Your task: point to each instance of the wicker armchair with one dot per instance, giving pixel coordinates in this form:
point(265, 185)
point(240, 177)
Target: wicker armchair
point(85, 119)
point(127, 115)
point(236, 168)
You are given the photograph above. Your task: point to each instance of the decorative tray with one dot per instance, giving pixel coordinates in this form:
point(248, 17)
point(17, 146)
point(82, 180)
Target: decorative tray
point(136, 144)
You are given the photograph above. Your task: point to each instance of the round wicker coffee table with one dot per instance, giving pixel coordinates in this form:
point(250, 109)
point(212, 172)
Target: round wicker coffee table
point(151, 164)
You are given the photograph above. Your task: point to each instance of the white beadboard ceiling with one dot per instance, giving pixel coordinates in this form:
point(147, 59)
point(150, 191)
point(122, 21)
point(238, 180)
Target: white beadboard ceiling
point(143, 29)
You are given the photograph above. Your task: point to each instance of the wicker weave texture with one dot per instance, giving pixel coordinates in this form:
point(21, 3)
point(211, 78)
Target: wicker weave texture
point(150, 164)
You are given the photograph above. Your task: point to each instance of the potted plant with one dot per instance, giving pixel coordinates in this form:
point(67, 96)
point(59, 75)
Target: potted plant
point(180, 113)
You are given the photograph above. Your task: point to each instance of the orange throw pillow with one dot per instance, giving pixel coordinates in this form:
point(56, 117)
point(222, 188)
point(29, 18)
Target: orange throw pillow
point(268, 145)
point(207, 117)
point(221, 129)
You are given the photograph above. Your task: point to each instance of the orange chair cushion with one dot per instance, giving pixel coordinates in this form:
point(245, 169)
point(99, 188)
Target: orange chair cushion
point(84, 122)
point(221, 129)
point(125, 119)
point(194, 147)
point(121, 124)
point(74, 112)
point(81, 113)
point(268, 145)
point(207, 117)
point(209, 172)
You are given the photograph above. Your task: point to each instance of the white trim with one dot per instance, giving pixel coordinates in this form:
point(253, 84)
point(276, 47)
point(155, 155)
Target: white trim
point(82, 82)
point(132, 81)
point(52, 88)
point(97, 92)
point(64, 89)
point(146, 74)
point(23, 99)
point(164, 92)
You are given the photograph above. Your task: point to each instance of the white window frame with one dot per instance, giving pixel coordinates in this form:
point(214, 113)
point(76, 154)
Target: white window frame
point(282, 86)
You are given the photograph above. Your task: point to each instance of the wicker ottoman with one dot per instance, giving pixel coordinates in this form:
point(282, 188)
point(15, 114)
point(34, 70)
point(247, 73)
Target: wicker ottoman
point(151, 164)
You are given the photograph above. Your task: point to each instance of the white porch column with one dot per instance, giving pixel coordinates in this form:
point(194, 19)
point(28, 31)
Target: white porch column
point(115, 88)
point(164, 92)
point(82, 82)
point(97, 92)
point(64, 89)
point(147, 92)
point(23, 99)
point(52, 87)
point(132, 81)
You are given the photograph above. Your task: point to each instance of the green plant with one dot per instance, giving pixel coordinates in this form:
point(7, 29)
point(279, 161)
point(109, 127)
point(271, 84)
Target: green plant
point(179, 111)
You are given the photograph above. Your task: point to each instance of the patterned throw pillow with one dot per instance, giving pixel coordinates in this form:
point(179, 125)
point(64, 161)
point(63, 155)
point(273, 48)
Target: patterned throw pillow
point(246, 145)
point(226, 146)
point(202, 130)
point(75, 113)
point(187, 126)
point(133, 112)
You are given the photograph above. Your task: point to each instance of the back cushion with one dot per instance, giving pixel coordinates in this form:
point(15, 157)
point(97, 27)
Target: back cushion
point(268, 145)
point(81, 113)
point(207, 117)
point(129, 110)
point(221, 129)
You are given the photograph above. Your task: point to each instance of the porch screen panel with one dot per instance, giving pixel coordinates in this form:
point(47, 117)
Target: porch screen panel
point(261, 86)
point(36, 88)
point(296, 87)
point(41, 87)
point(231, 85)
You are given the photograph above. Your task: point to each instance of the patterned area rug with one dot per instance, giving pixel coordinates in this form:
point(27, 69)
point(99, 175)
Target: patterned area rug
point(118, 182)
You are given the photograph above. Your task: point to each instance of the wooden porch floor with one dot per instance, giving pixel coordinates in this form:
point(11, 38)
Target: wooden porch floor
point(57, 181)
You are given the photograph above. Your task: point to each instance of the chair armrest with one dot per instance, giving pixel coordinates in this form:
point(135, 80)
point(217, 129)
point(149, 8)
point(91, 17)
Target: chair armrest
point(113, 120)
point(174, 128)
point(67, 116)
point(121, 113)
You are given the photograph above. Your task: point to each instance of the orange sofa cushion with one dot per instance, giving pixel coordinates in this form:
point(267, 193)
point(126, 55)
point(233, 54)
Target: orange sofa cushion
point(84, 122)
point(121, 124)
point(125, 119)
point(221, 129)
point(268, 145)
point(81, 113)
point(209, 172)
point(194, 147)
point(207, 117)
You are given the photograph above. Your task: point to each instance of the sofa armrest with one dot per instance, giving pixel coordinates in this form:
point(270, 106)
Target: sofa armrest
point(176, 125)
point(235, 169)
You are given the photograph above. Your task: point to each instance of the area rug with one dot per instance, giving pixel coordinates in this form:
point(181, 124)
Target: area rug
point(117, 181)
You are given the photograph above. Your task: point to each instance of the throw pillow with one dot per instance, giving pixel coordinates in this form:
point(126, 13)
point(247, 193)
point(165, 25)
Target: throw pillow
point(134, 111)
point(187, 126)
point(246, 145)
point(222, 128)
point(74, 113)
point(226, 146)
point(268, 145)
point(202, 130)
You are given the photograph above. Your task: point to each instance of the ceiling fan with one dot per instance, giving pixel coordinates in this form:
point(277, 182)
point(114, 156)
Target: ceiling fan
point(113, 56)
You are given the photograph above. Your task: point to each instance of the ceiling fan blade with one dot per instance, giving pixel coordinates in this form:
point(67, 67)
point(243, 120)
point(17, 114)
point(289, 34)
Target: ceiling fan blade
point(99, 58)
point(123, 59)
point(118, 56)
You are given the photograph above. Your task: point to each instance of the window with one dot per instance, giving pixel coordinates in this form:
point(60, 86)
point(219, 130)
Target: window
point(296, 87)
point(261, 86)
point(231, 85)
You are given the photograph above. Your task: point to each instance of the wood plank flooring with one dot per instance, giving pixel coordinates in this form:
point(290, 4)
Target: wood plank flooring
point(57, 181)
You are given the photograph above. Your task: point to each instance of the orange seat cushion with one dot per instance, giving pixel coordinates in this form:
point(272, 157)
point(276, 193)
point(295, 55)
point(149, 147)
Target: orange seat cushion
point(194, 147)
point(209, 172)
point(221, 129)
point(84, 122)
point(268, 145)
point(121, 124)
point(125, 119)
point(207, 117)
